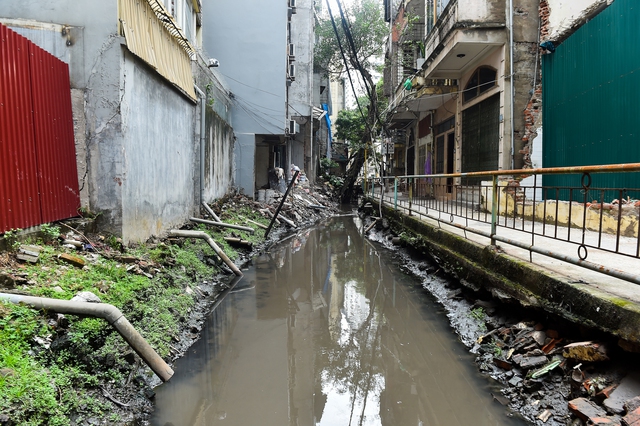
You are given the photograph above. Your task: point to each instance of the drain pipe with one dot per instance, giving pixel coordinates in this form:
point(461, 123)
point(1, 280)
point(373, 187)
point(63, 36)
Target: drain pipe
point(204, 236)
point(104, 311)
point(512, 94)
point(203, 114)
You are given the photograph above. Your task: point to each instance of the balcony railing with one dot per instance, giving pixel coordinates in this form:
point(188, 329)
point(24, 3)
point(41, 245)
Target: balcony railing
point(524, 213)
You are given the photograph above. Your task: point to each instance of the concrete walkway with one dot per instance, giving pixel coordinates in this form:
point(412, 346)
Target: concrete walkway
point(596, 284)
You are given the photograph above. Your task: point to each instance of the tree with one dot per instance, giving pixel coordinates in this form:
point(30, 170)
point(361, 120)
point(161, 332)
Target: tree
point(354, 41)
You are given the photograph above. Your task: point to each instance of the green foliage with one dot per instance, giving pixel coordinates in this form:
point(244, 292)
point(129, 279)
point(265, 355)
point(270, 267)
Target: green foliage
point(11, 238)
point(326, 164)
point(368, 29)
point(50, 232)
point(350, 126)
point(478, 314)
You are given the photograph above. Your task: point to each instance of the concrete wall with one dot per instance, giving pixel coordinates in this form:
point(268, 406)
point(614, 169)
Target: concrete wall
point(566, 15)
point(159, 153)
point(218, 156)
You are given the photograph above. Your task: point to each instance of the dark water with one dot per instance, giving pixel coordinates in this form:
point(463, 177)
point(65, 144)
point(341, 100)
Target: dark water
point(325, 330)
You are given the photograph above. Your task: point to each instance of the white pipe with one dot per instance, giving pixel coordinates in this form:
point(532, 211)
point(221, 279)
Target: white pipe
point(104, 311)
point(203, 114)
point(512, 93)
point(204, 236)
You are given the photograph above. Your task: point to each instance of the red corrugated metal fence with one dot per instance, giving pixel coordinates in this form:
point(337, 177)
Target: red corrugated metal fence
point(38, 174)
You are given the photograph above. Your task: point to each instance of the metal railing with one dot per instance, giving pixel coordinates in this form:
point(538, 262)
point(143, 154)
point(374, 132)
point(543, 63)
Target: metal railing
point(513, 207)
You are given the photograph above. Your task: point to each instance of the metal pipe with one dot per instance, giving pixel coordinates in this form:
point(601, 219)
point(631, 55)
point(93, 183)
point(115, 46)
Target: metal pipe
point(203, 115)
point(104, 311)
point(222, 225)
point(204, 236)
point(512, 94)
point(275, 216)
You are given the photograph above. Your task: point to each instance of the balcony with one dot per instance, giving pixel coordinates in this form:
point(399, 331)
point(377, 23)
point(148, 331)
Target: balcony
point(465, 32)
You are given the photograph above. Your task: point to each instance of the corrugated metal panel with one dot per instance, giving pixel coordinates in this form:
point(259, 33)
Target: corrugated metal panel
point(148, 39)
point(19, 203)
point(38, 177)
point(55, 148)
point(590, 97)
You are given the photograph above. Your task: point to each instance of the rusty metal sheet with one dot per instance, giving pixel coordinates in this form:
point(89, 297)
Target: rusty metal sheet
point(19, 204)
point(55, 148)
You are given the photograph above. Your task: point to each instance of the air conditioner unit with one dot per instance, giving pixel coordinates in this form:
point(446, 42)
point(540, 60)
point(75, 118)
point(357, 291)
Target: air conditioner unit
point(293, 127)
point(292, 72)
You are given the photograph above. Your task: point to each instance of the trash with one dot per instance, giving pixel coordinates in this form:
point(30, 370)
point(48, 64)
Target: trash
point(544, 370)
point(544, 416)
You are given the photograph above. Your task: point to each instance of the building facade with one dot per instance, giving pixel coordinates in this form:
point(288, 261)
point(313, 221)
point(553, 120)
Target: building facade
point(458, 74)
point(137, 113)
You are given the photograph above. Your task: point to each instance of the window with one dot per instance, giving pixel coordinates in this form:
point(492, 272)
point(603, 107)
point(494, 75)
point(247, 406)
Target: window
point(483, 79)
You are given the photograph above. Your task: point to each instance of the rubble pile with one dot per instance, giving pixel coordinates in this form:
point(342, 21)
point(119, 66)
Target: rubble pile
point(550, 380)
point(304, 205)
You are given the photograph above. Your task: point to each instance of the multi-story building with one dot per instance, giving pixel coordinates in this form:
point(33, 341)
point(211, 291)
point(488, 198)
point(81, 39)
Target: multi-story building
point(144, 161)
point(459, 73)
point(265, 54)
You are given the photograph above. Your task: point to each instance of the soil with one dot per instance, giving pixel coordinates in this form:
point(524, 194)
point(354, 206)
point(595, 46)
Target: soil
point(511, 342)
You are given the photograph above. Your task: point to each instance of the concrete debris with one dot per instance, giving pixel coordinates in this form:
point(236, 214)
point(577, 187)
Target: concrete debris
point(86, 296)
point(627, 390)
point(586, 351)
point(28, 253)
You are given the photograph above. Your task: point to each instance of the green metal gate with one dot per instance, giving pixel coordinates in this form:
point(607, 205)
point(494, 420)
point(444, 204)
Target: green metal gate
point(480, 135)
point(591, 86)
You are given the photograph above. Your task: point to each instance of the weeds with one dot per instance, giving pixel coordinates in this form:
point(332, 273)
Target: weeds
point(11, 239)
point(50, 232)
point(41, 385)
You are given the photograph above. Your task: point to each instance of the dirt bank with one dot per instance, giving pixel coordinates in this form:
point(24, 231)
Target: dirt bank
point(67, 370)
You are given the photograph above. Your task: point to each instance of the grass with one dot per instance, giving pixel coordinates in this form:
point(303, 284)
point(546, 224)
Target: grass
point(42, 385)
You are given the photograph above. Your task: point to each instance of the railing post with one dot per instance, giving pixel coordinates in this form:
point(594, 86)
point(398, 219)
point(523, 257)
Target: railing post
point(410, 193)
point(395, 193)
point(494, 209)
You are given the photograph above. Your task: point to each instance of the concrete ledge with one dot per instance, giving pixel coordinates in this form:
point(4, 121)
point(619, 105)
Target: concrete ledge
point(506, 276)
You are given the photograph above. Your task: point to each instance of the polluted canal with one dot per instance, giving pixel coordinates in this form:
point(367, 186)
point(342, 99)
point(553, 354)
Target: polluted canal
point(325, 329)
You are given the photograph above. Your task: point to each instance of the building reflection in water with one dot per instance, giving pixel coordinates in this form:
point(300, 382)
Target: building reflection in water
point(325, 330)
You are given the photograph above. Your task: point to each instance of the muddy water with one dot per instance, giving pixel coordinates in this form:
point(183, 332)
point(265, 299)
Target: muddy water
point(325, 330)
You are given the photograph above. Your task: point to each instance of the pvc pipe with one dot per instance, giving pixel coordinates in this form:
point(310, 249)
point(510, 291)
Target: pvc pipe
point(204, 236)
point(203, 114)
point(104, 311)
point(222, 225)
point(211, 212)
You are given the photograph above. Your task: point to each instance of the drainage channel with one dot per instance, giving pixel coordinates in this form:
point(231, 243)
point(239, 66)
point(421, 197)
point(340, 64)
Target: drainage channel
point(324, 329)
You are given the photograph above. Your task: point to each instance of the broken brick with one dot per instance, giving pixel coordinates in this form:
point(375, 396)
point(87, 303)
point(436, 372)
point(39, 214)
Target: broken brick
point(585, 409)
point(632, 418)
point(73, 260)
